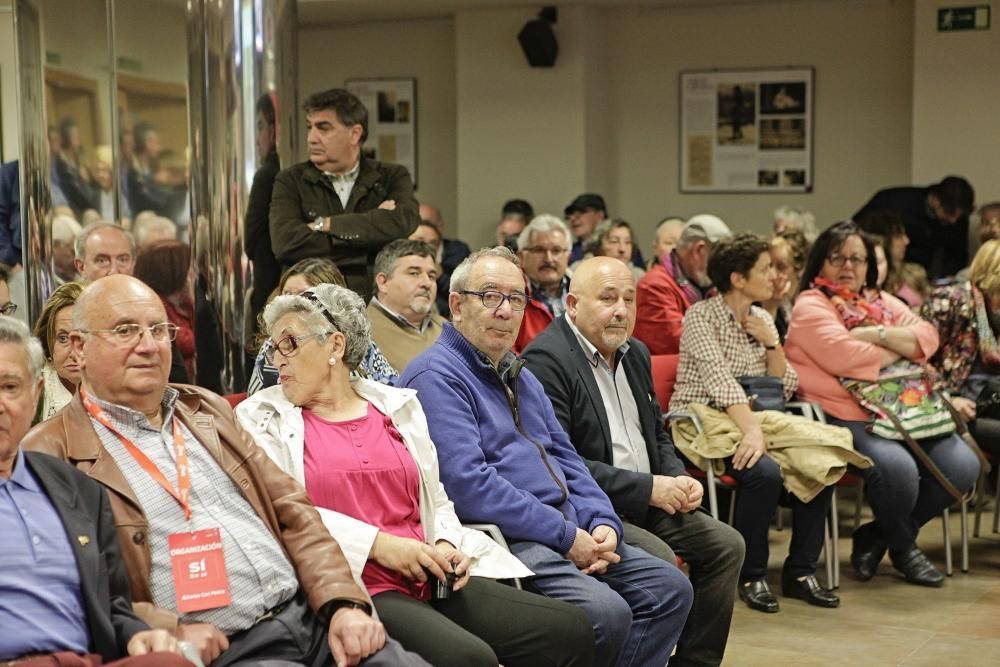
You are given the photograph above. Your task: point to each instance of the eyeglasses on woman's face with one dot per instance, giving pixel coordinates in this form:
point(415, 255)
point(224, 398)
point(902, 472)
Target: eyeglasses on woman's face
point(838, 260)
point(288, 346)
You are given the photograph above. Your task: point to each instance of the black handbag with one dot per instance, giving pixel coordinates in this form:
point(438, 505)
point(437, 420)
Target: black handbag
point(766, 392)
point(988, 401)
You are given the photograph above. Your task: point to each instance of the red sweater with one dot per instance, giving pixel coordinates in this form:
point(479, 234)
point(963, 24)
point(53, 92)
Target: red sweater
point(183, 316)
point(659, 311)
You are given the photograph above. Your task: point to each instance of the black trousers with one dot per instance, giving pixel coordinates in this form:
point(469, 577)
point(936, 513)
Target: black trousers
point(756, 501)
point(714, 553)
point(294, 637)
point(487, 623)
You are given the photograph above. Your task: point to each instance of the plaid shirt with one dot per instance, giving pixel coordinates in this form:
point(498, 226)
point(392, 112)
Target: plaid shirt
point(715, 350)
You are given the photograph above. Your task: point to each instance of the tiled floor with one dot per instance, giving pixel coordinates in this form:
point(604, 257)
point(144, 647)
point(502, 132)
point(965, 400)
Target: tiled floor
point(884, 621)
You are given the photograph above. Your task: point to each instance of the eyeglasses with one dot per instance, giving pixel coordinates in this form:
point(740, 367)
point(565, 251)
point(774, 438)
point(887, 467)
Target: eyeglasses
point(129, 334)
point(493, 299)
point(288, 346)
point(540, 250)
point(839, 260)
point(8, 309)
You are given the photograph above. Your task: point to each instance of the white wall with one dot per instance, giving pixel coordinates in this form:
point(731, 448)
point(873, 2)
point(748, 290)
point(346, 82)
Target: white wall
point(956, 102)
point(861, 52)
point(422, 49)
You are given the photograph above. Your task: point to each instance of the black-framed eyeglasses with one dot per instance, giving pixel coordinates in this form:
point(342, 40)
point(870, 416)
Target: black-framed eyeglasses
point(839, 260)
point(8, 309)
point(130, 334)
point(288, 346)
point(493, 299)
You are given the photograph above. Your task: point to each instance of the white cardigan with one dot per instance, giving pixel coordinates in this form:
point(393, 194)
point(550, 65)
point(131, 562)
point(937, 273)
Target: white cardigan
point(277, 427)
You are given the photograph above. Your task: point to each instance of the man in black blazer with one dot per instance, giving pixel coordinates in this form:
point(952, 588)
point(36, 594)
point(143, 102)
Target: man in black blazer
point(599, 380)
point(64, 584)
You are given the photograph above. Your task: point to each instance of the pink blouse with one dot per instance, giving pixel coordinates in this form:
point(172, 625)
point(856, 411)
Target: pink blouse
point(823, 351)
point(361, 468)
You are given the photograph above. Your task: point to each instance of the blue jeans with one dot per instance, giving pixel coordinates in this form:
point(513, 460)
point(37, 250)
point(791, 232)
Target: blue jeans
point(903, 495)
point(638, 607)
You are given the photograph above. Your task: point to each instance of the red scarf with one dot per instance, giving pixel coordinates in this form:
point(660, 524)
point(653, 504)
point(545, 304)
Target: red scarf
point(856, 310)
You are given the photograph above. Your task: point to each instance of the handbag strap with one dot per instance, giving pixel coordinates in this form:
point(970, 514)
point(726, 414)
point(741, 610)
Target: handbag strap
point(928, 462)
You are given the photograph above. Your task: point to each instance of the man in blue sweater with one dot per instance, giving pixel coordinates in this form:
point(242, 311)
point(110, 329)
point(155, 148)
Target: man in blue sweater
point(505, 459)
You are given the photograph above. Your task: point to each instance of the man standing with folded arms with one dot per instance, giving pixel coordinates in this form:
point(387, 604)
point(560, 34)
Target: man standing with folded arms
point(220, 545)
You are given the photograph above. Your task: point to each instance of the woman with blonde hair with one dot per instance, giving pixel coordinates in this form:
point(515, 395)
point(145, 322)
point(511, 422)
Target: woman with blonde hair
point(967, 317)
point(61, 371)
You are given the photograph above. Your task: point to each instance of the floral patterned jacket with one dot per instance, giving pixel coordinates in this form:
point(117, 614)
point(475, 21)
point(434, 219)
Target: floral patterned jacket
point(953, 311)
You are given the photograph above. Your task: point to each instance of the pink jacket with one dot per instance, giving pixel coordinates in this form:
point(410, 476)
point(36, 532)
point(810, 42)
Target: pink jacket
point(823, 351)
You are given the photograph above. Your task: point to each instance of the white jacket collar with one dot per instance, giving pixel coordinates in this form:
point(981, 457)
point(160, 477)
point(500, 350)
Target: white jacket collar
point(388, 400)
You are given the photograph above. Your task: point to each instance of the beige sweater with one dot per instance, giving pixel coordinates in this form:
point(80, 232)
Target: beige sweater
point(401, 343)
point(811, 455)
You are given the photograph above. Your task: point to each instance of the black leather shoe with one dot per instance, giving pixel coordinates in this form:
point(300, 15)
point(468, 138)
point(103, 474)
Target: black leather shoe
point(808, 589)
point(916, 567)
point(758, 595)
point(867, 552)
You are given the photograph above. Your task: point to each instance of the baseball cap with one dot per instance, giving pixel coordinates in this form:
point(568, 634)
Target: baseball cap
point(705, 227)
point(586, 202)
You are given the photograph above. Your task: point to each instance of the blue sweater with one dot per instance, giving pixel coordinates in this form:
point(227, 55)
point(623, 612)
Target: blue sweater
point(520, 472)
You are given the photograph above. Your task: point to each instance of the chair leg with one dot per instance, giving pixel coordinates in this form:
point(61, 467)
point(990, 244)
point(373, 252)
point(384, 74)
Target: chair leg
point(996, 509)
point(779, 518)
point(732, 505)
point(835, 530)
point(965, 536)
point(713, 503)
point(947, 542)
point(828, 550)
point(979, 517)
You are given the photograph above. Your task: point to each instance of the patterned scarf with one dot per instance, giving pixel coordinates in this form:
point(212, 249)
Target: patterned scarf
point(989, 350)
point(856, 310)
point(672, 265)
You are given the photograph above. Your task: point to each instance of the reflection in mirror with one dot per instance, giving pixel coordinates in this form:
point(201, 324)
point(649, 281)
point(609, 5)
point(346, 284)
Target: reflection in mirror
point(151, 104)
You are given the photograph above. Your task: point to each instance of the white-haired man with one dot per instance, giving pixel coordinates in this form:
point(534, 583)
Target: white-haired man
point(544, 248)
point(681, 279)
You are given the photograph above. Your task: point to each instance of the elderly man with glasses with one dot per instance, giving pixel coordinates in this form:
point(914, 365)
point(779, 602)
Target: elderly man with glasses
point(543, 248)
point(220, 545)
point(505, 459)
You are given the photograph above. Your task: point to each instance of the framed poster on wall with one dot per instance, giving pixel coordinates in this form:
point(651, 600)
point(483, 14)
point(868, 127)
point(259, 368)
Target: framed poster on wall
point(392, 120)
point(747, 130)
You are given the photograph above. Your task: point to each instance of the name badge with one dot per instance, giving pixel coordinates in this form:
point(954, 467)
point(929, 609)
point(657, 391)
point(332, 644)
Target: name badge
point(199, 567)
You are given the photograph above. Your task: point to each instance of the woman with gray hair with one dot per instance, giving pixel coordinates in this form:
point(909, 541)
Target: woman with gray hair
point(363, 452)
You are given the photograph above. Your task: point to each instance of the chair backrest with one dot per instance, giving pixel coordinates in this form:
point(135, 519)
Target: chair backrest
point(664, 378)
point(235, 399)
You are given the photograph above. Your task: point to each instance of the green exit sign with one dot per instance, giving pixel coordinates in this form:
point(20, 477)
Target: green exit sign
point(976, 17)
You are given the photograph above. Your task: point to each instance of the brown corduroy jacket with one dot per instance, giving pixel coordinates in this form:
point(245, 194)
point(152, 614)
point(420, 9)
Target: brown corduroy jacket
point(281, 502)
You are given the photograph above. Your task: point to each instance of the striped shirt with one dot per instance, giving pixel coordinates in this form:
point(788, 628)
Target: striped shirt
point(260, 576)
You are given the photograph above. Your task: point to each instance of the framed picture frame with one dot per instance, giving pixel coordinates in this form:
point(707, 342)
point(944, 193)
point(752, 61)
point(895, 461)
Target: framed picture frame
point(392, 120)
point(747, 130)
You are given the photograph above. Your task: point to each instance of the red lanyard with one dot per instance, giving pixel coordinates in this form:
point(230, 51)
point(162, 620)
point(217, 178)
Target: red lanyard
point(183, 492)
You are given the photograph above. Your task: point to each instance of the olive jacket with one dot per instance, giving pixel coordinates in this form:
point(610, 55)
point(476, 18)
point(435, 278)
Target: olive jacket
point(358, 231)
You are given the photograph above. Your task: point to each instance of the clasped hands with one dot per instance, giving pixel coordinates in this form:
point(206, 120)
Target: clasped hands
point(676, 494)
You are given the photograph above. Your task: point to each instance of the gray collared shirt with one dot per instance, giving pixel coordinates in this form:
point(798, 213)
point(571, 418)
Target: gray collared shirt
point(628, 446)
point(260, 576)
point(344, 183)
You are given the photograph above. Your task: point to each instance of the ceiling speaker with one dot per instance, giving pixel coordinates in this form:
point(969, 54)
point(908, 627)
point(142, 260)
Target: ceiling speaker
point(538, 41)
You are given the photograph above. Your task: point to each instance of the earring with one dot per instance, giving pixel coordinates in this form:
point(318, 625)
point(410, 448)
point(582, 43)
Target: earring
point(333, 361)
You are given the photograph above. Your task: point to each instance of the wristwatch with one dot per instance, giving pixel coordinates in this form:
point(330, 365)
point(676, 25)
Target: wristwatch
point(776, 345)
point(318, 224)
point(883, 339)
